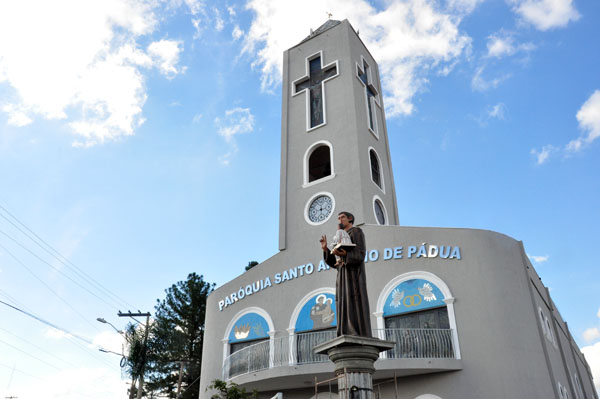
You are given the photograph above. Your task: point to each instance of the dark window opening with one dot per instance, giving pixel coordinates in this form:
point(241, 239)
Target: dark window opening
point(375, 170)
point(241, 345)
point(421, 334)
point(319, 163)
point(431, 318)
point(306, 342)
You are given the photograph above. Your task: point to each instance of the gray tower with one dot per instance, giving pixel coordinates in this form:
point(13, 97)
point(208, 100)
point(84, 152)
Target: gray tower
point(334, 145)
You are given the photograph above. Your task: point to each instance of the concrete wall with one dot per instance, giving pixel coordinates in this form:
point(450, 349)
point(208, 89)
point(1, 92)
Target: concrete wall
point(504, 351)
point(346, 129)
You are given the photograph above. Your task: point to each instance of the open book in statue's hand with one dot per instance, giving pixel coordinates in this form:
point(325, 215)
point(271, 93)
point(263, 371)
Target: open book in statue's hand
point(345, 247)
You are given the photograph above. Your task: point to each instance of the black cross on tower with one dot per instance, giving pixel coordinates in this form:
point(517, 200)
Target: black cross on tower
point(370, 92)
point(314, 81)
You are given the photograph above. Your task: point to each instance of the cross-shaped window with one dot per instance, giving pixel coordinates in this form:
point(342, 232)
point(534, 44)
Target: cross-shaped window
point(364, 76)
point(313, 82)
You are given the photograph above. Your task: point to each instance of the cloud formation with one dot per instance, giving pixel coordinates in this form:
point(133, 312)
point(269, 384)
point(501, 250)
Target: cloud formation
point(84, 66)
point(588, 118)
point(236, 121)
point(408, 38)
point(592, 355)
point(546, 14)
point(591, 334)
point(502, 44)
point(539, 259)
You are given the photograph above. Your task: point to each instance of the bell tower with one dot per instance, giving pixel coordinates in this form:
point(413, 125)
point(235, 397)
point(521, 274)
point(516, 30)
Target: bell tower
point(334, 145)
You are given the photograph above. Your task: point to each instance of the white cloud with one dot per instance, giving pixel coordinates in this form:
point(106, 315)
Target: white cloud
point(591, 334)
point(236, 121)
point(588, 117)
point(539, 259)
point(480, 83)
point(83, 66)
point(497, 111)
point(546, 14)
point(408, 38)
point(219, 23)
point(598, 314)
point(16, 115)
point(165, 53)
point(237, 32)
point(197, 118)
point(592, 355)
point(56, 334)
point(543, 155)
point(465, 6)
point(500, 46)
point(109, 340)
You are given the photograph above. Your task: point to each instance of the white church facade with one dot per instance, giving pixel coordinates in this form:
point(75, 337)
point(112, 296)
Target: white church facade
point(467, 310)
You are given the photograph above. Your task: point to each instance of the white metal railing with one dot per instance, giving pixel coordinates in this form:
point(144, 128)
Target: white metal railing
point(307, 341)
point(419, 343)
point(411, 343)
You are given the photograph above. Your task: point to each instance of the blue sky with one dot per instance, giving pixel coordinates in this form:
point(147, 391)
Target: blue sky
point(136, 136)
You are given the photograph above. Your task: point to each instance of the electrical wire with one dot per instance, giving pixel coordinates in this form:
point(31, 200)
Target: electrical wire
point(48, 287)
point(68, 333)
point(57, 269)
point(30, 355)
point(61, 258)
point(38, 347)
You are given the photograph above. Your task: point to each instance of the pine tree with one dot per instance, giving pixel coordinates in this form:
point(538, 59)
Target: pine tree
point(175, 344)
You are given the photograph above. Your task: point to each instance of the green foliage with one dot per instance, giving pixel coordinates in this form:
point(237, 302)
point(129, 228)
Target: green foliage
point(230, 391)
point(134, 335)
point(251, 264)
point(174, 346)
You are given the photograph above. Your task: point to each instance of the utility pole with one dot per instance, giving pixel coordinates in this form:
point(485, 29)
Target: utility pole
point(141, 379)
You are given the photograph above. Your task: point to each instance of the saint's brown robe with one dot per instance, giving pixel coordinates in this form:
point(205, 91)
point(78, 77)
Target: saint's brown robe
point(351, 300)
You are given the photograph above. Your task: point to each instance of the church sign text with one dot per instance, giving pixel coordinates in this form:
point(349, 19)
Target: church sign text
point(373, 255)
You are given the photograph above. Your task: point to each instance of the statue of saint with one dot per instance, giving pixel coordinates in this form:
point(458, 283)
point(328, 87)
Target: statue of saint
point(351, 300)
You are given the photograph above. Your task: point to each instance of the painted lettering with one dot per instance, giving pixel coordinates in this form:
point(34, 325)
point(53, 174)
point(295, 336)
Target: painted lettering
point(455, 253)
point(411, 250)
point(387, 253)
point(398, 253)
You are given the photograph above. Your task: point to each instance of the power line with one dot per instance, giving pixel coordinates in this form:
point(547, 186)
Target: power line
point(86, 340)
point(48, 287)
point(19, 371)
point(30, 355)
point(38, 347)
point(68, 333)
point(57, 269)
point(61, 258)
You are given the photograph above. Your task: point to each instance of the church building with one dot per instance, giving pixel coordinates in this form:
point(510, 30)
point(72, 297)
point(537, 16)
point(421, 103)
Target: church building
point(467, 310)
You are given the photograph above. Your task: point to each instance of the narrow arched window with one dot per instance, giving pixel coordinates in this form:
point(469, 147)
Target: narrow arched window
point(375, 168)
point(319, 163)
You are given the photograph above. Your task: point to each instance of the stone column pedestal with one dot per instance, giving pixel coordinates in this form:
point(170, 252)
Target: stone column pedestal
point(354, 359)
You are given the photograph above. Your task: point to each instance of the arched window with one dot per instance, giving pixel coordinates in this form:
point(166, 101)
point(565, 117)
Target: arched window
point(380, 212)
point(249, 346)
point(319, 163)
point(375, 168)
point(313, 322)
point(416, 311)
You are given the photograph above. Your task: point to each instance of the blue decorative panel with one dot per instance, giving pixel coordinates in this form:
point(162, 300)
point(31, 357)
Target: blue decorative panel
point(411, 295)
point(248, 327)
point(318, 312)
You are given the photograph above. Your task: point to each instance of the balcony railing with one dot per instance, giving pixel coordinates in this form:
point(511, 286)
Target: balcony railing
point(298, 349)
point(418, 343)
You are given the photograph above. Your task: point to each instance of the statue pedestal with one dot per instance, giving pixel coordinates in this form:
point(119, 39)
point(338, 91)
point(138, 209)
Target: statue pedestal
point(354, 358)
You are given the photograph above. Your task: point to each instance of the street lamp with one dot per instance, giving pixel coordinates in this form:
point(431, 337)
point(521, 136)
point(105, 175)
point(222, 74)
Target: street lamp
point(101, 320)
